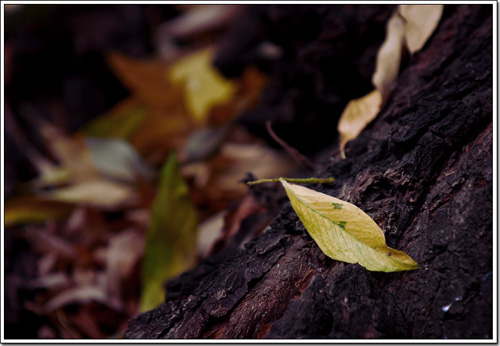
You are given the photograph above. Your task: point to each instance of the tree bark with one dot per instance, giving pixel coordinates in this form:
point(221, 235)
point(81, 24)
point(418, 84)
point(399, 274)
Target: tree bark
point(423, 171)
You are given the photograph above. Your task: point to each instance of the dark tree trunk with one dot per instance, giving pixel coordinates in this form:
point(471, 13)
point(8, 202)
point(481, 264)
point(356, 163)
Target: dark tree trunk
point(423, 171)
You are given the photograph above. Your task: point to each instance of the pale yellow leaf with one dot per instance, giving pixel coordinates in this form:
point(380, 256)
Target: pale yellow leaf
point(357, 114)
point(421, 21)
point(100, 193)
point(344, 232)
point(204, 86)
point(389, 55)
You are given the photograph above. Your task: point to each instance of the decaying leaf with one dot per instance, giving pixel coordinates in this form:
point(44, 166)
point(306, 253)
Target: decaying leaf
point(421, 21)
point(171, 239)
point(204, 86)
point(410, 26)
point(389, 55)
point(344, 232)
point(357, 114)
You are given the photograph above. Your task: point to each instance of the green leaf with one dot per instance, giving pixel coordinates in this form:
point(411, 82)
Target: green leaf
point(171, 239)
point(345, 233)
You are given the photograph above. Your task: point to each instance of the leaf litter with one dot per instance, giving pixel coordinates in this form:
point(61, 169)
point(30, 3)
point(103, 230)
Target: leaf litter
point(108, 228)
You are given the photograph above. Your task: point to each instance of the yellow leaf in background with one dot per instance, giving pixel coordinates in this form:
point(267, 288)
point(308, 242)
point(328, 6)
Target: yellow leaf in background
point(166, 121)
point(204, 86)
point(171, 238)
point(344, 232)
point(421, 21)
point(99, 193)
point(357, 114)
point(389, 56)
point(30, 209)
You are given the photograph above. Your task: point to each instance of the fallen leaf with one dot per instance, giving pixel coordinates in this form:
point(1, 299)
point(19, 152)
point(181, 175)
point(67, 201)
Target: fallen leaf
point(70, 152)
point(208, 232)
point(410, 26)
point(30, 209)
point(124, 251)
point(82, 295)
point(421, 21)
point(167, 121)
point(389, 56)
point(344, 232)
point(238, 160)
point(99, 193)
point(117, 159)
point(147, 79)
point(45, 242)
point(357, 114)
point(204, 86)
point(171, 238)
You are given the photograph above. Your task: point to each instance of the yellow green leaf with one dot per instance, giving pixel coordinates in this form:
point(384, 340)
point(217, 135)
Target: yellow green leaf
point(30, 209)
point(357, 114)
point(421, 21)
point(344, 232)
point(204, 86)
point(171, 239)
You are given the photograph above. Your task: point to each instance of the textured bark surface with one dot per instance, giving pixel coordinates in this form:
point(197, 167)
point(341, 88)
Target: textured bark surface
point(423, 171)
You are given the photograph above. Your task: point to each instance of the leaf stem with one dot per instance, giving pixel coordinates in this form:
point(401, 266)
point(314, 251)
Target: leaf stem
point(294, 180)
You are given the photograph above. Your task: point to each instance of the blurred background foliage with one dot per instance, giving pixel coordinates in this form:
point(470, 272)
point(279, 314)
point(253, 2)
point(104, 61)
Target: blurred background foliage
point(124, 159)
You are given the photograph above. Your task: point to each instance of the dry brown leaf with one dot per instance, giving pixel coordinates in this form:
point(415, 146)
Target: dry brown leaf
point(208, 232)
point(51, 281)
point(44, 241)
point(241, 159)
point(357, 114)
point(389, 56)
point(146, 79)
point(124, 251)
point(421, 21)
point(82, 294)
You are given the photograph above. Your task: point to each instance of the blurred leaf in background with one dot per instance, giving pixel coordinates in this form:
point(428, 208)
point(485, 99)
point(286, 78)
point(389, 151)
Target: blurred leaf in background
point(171, 239)
point(203, 85)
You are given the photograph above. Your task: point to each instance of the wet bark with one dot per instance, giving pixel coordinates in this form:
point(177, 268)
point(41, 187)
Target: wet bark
point(423, 171)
